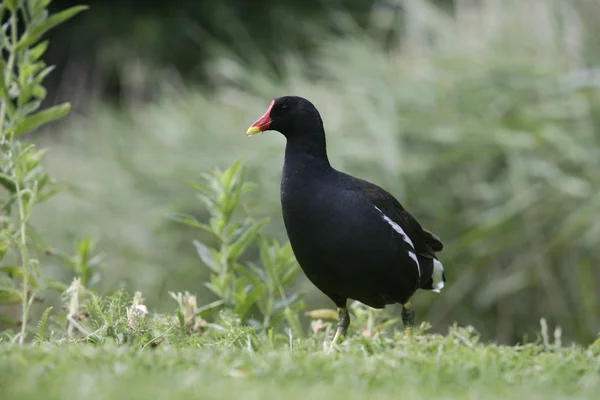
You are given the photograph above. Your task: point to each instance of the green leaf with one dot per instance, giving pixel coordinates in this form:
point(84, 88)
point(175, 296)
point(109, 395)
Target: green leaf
point(83, 247)
point(8, 321)
point(39, 6)
point(30, 107)
point(56, 285)
point(9, 296)
point(210, 205)
point(38, 51)
point(251, 275)
point(181, 319)
point(28, 71)
point(242, 307)
point(95, 311)
point(189, 220)
point(39, 91)
point(264, 250)
point(43, 74)
point(237, 247)
point(248, 186)
point(213, 288)
point(230, 173)
point(8, 183)
point(42, 324)
point(43, 117)
point(252, 268)
point(55, 189)
point(233, 191)
point(13, 272)
point(3, 91)
point(29, 85)
point(199, 188)
point(205, 309)
point(207, 257)
point(33, 35)
point(217, 225)
point(24, 96)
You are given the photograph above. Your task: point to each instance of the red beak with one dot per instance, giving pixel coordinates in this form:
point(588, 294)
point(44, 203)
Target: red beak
point(261, 124)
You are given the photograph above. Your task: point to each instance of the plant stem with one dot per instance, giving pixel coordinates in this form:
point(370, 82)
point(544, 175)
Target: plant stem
point(25, 303)
point(2, 118)
point(224, 251)
point(25, 261)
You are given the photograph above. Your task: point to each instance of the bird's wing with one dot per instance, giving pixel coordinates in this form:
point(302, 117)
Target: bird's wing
point(426, 243)
point(433, 240)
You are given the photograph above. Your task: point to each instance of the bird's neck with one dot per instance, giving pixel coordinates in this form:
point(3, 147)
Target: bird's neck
point(308, 150)
point(305, 165)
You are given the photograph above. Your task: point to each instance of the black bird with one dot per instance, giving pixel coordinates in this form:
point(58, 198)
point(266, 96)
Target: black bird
point(352, 238)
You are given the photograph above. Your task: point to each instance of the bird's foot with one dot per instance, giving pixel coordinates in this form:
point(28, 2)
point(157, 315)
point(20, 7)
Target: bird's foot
point(408, 319)
point(336, 338)
point(342, 328)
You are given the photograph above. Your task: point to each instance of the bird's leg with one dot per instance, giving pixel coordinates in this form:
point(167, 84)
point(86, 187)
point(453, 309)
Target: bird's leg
point(408, 318)
point(342, 326)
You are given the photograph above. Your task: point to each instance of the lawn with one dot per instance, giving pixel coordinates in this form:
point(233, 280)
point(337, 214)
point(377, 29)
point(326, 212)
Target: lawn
point(239, 364)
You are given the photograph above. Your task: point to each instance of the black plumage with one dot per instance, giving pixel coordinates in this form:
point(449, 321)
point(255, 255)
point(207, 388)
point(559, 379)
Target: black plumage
point(352, 239)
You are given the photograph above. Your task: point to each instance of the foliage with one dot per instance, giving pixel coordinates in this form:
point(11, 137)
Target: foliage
point(85, 263)
point(484, 125)
point(23, 180)
point(237, 286)
point(118, 54)
point(123, 320)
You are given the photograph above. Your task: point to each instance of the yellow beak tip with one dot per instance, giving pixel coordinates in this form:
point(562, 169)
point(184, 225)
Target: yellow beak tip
point(253, 130)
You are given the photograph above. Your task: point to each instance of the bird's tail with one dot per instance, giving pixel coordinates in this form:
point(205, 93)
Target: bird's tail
point(432, 274)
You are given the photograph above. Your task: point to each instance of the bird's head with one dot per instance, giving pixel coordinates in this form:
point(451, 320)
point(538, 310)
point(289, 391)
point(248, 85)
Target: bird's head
point(291, 116)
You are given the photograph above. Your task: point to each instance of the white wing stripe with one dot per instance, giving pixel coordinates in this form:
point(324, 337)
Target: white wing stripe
point(405, 237)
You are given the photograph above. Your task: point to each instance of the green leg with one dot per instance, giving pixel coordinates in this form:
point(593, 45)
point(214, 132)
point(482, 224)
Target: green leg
point(343, 324)
point(408, 318)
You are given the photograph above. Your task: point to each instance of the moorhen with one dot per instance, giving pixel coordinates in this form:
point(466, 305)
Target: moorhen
point(352, 239)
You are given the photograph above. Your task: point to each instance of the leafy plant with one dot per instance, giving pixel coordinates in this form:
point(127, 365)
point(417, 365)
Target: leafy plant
point(240, 286)
point(24, 181)
point(278, 269)
point(186, 313)
point(89, 318)
point(84, 263)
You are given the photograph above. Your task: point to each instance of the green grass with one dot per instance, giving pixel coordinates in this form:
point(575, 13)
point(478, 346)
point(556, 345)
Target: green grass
point(242, 365)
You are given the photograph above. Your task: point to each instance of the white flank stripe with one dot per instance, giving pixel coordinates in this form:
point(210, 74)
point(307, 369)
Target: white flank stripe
point(438, 276)
point(405, 237)
point(414, 257)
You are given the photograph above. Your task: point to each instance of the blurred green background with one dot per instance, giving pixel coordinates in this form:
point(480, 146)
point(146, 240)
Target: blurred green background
point(481, 116)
